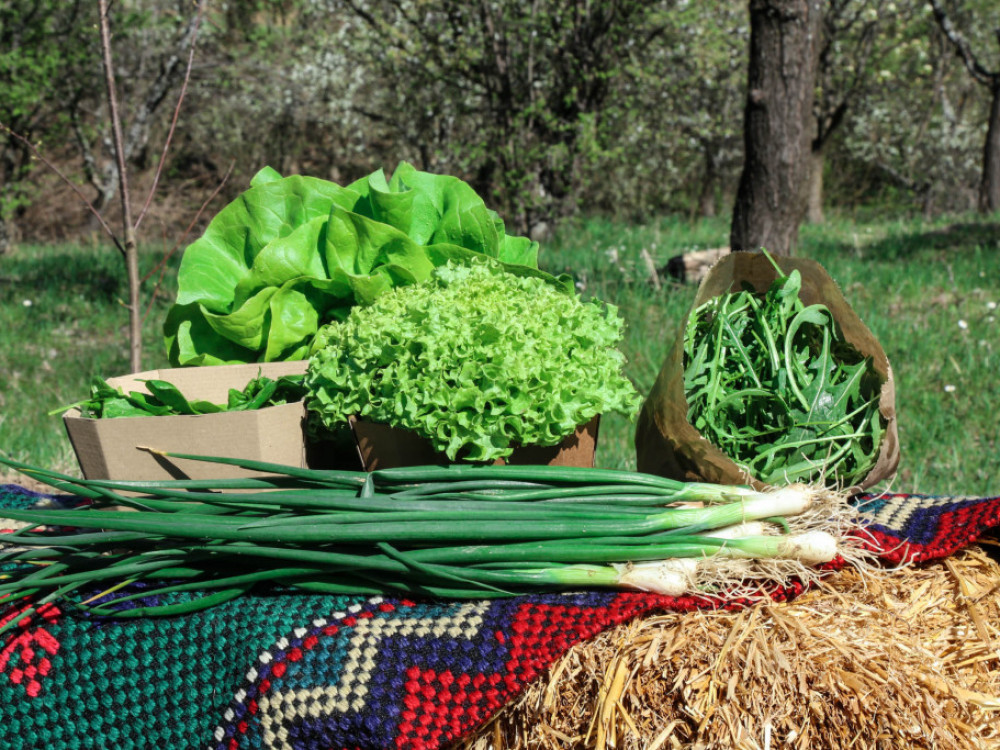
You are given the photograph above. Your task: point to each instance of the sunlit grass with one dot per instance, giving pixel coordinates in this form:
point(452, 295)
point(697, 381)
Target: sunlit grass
point(62, 321)
point(928, 290)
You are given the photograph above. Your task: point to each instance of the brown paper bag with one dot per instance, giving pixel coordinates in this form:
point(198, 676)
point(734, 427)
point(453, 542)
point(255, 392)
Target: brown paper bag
point(668, 445)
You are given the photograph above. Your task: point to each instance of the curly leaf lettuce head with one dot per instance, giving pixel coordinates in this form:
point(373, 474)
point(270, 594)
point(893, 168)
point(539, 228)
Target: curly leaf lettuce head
point(292, 253)
point(476, 359)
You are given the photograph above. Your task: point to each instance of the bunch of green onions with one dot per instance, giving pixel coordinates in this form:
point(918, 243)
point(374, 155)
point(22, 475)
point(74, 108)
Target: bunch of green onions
point(455, 532)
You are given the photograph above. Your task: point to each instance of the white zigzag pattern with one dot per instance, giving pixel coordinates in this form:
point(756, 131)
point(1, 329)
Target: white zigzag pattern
point(279, 709)
point(895, 514)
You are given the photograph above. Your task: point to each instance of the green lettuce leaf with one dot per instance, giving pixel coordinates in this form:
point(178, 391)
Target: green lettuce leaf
point(292, 253)
point(476, 359)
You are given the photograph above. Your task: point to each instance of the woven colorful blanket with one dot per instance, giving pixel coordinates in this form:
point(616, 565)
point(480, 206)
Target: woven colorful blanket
point(306, 672)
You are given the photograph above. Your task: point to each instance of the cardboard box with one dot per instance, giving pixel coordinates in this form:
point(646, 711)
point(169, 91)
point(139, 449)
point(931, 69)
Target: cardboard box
point(383, 447)
point(110, 448)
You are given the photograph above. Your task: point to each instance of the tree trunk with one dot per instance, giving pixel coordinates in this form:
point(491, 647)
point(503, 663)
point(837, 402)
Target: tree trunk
point(778, 125)
point(814, 214)
point(989, 189)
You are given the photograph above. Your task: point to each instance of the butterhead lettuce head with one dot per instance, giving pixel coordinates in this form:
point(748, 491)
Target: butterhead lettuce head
point(477, 359)
point(292, 253)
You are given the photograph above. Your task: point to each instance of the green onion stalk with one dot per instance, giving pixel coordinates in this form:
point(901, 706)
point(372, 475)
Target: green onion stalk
point(456, 532)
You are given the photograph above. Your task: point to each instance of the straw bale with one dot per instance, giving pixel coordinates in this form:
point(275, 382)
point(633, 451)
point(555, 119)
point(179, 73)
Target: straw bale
point(908, 658)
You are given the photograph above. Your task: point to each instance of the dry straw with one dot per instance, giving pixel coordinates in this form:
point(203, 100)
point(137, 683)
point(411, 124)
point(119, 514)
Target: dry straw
point(894, 659)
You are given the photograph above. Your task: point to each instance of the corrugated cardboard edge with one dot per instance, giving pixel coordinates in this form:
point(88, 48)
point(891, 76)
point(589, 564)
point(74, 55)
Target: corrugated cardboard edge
point(668, 445)
point(382, 447)
point(111, 448)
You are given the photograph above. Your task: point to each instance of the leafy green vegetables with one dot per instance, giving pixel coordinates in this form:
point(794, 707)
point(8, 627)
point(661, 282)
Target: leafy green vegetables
point(476, 359)
point(164, 398)
point(457, 532)
point(292, 253)
point(770, 382)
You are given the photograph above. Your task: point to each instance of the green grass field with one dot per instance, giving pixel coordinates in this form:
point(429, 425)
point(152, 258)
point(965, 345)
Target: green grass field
point(929, 292)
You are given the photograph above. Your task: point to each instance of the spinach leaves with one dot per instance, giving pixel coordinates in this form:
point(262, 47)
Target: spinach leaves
point(772, 384)
point(164, 398)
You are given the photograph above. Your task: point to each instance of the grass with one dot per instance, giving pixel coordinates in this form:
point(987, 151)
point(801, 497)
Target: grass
point(928, 290)
point(62, 321)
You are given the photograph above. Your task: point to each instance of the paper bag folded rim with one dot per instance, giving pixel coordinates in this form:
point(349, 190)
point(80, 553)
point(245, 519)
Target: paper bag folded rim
point(668, 445)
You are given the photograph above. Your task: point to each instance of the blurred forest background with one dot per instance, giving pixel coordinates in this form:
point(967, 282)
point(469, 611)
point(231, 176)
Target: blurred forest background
point(628, 109)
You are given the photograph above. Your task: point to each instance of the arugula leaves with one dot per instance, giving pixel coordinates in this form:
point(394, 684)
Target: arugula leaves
point(164, 398)
point(771, 383)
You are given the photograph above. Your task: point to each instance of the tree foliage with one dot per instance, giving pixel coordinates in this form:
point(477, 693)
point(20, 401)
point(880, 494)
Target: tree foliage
point(913, 133)
point(548, 107)
point(532, 80)
point(44, 44)
point(986, 73)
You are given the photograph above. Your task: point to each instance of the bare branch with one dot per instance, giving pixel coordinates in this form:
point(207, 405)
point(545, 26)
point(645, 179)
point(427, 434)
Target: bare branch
point(190, 226)
point(162, 265)
point(897, 178)
point(73, 186)
point(972, 64)
point(131, 251)
point(383, 28)
point(115, 116)
point(158, 90)
point(89, 162)
point(362, 13)
point(173, 121)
